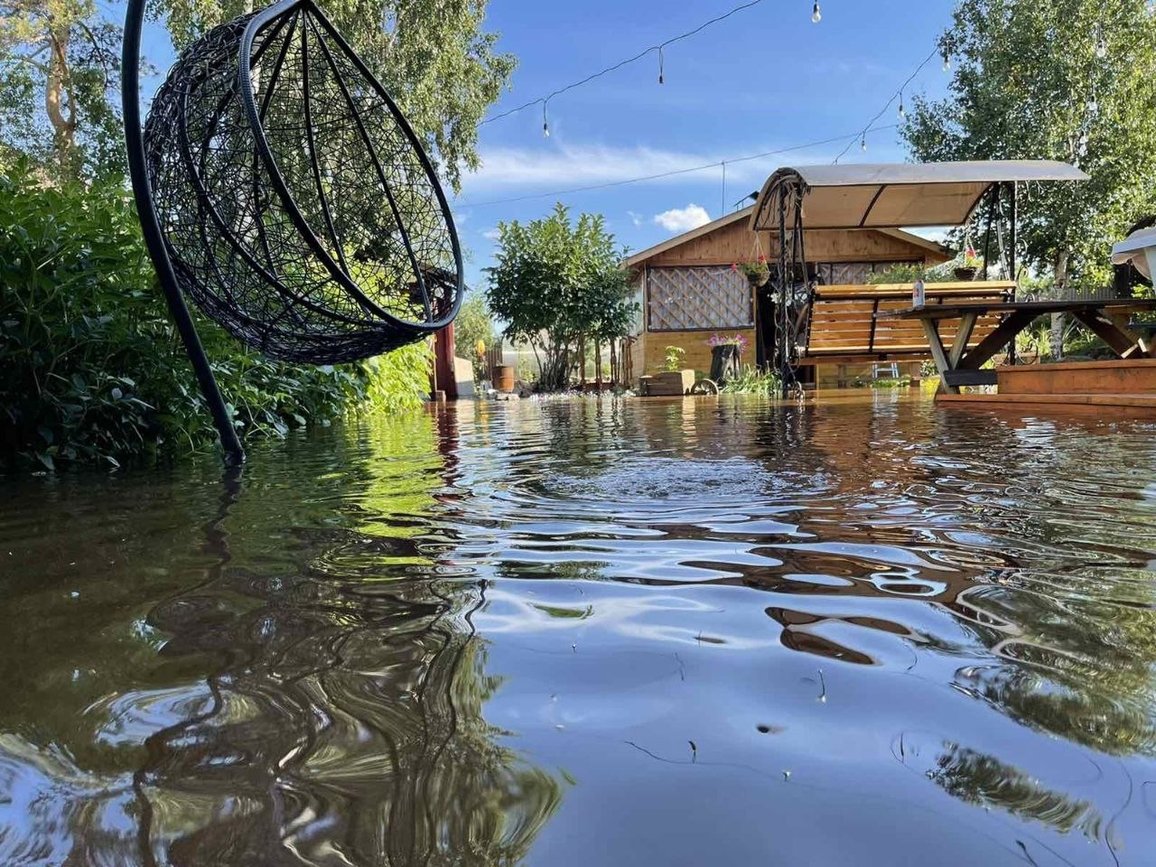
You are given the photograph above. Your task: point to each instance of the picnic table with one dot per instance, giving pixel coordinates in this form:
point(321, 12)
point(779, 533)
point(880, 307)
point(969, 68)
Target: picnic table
point(958, 365)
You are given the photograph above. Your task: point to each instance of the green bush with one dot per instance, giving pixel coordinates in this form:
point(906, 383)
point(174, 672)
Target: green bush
point(93, 370)
point(751, 380)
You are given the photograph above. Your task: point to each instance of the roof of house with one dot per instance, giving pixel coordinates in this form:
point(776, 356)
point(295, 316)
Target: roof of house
point(745, 214)
point(893, 195)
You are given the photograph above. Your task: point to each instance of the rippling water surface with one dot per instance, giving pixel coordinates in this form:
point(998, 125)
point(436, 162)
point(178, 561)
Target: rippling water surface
point(593, 632)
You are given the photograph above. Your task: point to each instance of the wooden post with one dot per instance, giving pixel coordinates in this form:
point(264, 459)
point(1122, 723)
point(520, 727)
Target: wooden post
point(444, 378)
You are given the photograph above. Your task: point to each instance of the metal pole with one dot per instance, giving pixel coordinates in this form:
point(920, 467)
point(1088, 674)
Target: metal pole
point(154, 240)
point(1011, 347)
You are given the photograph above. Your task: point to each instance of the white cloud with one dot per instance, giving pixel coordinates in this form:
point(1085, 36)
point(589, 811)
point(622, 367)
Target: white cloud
point(635, 217)
point(683, 219)
point(568, 166)
point(491, 234)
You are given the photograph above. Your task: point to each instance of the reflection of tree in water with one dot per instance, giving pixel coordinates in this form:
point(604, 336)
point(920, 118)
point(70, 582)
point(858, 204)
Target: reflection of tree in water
point(984, 780)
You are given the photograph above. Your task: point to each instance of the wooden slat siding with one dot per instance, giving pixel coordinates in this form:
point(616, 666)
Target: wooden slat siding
point(845, 321)
point(736, 243)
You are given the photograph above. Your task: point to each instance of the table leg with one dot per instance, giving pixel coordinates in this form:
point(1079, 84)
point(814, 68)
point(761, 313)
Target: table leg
point(939, 354)
point(1012, 325)
point(1121, 339)
point(962, 336)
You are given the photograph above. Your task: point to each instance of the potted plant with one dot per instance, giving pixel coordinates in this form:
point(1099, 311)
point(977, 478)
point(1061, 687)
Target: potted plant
point(757, 272)
point(969, 266)
point(725, 351)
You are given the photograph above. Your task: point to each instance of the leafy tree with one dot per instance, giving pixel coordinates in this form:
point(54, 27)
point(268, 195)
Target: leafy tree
point(559, 284)
point(59, 71)
point(474, 325)
point(1071, 80)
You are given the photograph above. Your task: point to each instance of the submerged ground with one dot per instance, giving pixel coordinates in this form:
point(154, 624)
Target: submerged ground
point(865, 631)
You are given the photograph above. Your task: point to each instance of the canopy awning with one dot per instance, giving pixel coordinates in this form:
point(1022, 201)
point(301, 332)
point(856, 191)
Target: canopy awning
point(896, 195)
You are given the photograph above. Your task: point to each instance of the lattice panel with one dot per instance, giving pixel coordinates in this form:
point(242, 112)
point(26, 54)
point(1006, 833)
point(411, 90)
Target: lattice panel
point(681, 299)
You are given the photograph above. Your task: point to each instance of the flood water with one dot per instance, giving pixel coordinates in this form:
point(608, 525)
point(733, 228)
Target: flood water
point(712, 631)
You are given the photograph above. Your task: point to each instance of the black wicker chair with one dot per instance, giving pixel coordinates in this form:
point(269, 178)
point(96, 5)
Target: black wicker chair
point(281, 189)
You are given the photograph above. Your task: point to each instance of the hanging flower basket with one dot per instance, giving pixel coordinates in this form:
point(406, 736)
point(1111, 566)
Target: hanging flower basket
point(757, 273)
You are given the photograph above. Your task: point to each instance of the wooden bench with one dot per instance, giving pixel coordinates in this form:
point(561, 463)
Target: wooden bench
point(845, 324)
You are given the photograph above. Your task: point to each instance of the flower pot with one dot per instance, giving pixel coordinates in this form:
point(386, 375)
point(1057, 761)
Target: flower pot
point(724, 362)
point(965, 274)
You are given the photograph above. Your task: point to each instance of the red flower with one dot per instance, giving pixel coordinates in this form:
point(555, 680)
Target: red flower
point(734, 266)
point(762, 258)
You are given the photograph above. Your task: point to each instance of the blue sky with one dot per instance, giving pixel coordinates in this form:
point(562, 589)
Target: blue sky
point(763, 79)
point(766, 78)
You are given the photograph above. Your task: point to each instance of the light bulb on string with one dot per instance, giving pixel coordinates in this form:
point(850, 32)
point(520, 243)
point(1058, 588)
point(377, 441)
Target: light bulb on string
point(946, 60)
point(816, 13)
point(902, 110)
point(1101, 49)
point(545, 123)
point(660, 64)
point(863, 142)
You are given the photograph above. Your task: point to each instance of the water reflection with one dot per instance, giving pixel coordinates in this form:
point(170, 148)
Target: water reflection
point(702, 631)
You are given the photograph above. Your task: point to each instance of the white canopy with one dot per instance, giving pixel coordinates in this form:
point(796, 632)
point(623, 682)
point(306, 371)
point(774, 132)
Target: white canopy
point(1138, 249)
point(895, 195)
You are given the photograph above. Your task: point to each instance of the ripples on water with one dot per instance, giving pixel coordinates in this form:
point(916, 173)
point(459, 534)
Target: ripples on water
point(698, 632)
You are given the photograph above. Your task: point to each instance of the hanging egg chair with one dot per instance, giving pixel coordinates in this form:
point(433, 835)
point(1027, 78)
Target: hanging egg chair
point(297, 206)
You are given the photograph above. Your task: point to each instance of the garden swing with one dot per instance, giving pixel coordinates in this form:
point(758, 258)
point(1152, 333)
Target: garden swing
point(282, 190)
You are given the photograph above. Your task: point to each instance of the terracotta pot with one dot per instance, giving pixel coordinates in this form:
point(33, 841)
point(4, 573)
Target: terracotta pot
point(504, 378)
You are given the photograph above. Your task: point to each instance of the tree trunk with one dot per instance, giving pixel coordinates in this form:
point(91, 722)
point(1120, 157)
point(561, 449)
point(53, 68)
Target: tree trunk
point(598, 363)
point(615, 378)
point(1056, 335)
point(57, 105)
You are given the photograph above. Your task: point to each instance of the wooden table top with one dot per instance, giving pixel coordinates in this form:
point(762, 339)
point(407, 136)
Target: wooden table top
point(955, 311)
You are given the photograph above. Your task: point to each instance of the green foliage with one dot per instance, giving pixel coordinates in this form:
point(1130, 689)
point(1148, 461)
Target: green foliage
point(751, 380)
point(559, 284)
point(93, 368)
point(1030, 83)
point(672, 359)
point(474, 325)
point(911, 273)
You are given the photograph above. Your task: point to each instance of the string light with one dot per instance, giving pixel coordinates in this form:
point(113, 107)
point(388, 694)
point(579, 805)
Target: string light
point(660, 62)
point(870, 125)
point(902, 111)
point(1101, 49)
point(545, 123)
point(816, 13)
point(625, 62)
point(946, 60)
point(553, 194)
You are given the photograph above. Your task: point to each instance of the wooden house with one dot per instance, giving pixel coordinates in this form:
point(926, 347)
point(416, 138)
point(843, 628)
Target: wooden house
point(690, 291)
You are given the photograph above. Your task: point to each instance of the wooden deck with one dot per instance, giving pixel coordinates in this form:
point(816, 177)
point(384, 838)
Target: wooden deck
point(1124, 388)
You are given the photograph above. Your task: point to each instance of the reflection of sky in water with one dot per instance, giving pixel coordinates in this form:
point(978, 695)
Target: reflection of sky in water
point(627, 632)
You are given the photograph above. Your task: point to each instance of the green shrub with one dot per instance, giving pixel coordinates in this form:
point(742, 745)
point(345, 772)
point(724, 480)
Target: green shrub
point(751, 380)
point(909, 274)
point(93, 370)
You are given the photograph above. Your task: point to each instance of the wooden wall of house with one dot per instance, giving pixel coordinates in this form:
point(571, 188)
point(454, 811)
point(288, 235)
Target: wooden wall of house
point(736, 243)
point(698, 354)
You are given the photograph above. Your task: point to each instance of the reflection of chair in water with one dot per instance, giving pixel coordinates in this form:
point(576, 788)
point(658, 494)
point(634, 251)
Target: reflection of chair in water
point(342, 719)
